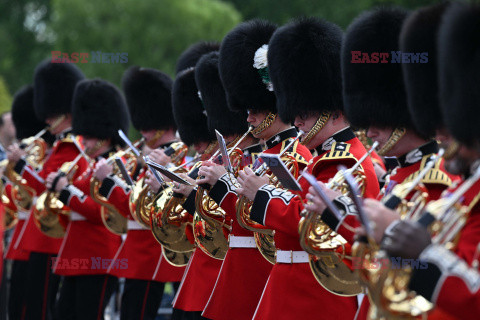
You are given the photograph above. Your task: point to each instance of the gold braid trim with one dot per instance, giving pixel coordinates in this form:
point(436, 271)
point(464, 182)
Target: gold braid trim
point(211, 146)
point(267, 122)
point(452, 150)
point(396, 135)
point(158, 135)
point(322, 120)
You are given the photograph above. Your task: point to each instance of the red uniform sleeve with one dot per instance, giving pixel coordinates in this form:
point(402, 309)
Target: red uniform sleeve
point(446, 280)
point(223, 193)
point(117, 193)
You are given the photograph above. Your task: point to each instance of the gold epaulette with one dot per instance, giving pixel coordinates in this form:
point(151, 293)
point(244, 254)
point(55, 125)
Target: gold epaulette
point(434, 176)
point(339, 151)
point(294, 153)
point(68, 138)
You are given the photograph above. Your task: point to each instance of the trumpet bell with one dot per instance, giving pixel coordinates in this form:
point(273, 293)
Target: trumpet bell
point(211, 237)
point(113, 220)
point(176, 259)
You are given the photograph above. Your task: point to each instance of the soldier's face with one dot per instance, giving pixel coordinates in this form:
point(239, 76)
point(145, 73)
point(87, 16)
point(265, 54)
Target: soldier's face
point(379, 134)
point(306, 123)
point(95, 147)
point(462, 161)
point(255, 118)
point(200, 147)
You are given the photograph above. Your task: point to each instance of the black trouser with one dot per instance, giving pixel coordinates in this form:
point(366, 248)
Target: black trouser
point(17, 290)
point(41, 287)
point(186, 315)
point(85, 297)
point(141, 299)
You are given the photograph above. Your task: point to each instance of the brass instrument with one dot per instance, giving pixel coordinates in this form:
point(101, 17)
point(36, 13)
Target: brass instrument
point(113, 220)
point(50, 214)
point(22, 194)
point(142, 198)
point(387, 286)
point(264, 236)
point(325, 247)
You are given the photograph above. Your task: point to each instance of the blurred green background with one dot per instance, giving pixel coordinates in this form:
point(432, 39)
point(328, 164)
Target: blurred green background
point(152, 32)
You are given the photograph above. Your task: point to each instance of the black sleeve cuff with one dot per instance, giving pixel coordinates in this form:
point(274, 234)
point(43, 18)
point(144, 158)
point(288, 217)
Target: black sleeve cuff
point(330, 219)
point(223, 186)
point(64, 196)
point(189, 204)
point(106, 187)
point(19, 166)
point(258, 210)
point(424, 279)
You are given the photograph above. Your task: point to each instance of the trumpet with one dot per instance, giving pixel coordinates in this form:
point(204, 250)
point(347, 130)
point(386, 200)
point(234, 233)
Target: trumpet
point(325, 247)
point(388, 288)
point(50, 214)
point(264, 236)
point(210, 222)
point(112, 219)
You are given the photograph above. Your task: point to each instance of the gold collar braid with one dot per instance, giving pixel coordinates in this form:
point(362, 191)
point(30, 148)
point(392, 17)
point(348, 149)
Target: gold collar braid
point(396, 135)
point(211, 146)
point(267, 122)
point(158, 135)
point(322, 120)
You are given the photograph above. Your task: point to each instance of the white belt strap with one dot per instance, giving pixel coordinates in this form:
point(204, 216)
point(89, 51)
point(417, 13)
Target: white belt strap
point(134, 225)
point(22, 215)
point(34, 201)
point(75, 216)
point(292, 256)
point(241, 242)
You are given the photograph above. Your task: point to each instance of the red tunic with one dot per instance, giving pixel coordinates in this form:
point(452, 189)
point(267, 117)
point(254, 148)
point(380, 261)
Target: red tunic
point(140, 248)
point(292, 292)
point(63, 151)
point(88, 246)
point(15, 250)
point(244, 271)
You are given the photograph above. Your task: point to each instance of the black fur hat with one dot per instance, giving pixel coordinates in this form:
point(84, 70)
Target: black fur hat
point(374, 93)
point(23, 116)
point(188, 110)
point(149, 98)
point(54, 84)
point(242, 81)
point(99, 110)
point(213, 96)
point(419, 36)
point(304, 67)
point(190, 57)
point(459, 71)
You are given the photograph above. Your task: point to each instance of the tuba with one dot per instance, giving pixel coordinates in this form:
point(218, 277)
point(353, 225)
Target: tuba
point(113, 220)
point(264, 236)
point(387, 286)
point(326, 248)
point(50, 215)
point(211, 226)
point(142, 198)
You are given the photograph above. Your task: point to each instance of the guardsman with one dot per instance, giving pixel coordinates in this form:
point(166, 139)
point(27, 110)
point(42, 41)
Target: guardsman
point(202, 270)
point(304, 68)
point(244, 271)
point(148, 94)
point(98, 112)
point(54, 84)
point(25, 127)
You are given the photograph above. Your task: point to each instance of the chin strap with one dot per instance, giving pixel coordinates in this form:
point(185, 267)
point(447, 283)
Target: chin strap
point(267, 122)
point(153, 141)
point(322, 120)
point(396, 135)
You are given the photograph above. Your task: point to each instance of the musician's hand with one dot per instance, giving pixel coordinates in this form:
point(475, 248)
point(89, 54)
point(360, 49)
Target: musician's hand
point(61, 183)
point(380, 218)
point(183, 188)
point(406, 239)
point(211, 173)
point(102, 169)
point(250, 183)
point(315, 203)
point(15, 153)
point(151, 181)
point(159, 156)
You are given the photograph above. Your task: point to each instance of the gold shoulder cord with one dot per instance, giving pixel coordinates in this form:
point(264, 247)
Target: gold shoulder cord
point(396, 135)
point(267, 122)
point(322, 120)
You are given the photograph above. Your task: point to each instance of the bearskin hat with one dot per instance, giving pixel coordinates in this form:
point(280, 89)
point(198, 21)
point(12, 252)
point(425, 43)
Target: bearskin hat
point(149, 98)
point(99, 110)
point(304, 67)
point(213, 96)
point(459, 71)
point(419, 36)
point(190, 57)
point(54, 84)
point(243, 83)
point(188, 109)
point(374, 93)
point(23, 116)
